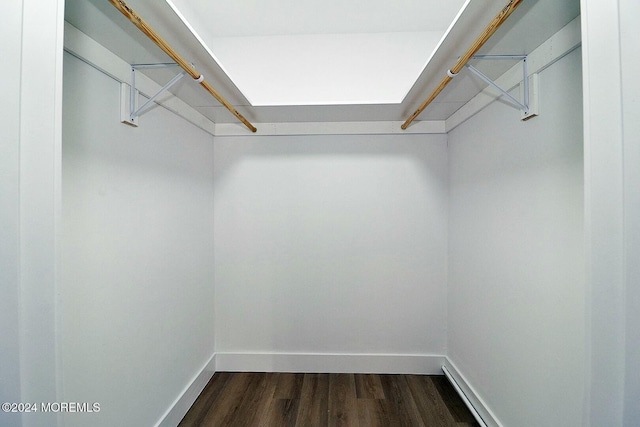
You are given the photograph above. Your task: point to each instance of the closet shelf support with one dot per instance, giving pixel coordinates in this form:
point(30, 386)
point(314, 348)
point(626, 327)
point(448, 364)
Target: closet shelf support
point(494, 85)
point(130, 116)
point(523, 105)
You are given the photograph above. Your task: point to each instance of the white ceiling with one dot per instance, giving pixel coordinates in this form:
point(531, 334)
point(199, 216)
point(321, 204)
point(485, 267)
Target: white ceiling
point(313, 52)
point(286, 17)
point(235, 21)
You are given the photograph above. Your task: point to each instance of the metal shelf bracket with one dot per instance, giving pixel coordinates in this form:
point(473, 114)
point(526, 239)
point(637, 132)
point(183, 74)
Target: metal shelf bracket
point(129, 94)
point(528, 88)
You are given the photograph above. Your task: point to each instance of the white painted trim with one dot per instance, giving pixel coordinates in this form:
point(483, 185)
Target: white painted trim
point(39, 175)
point(88, 50)
point(472, 395)
point(330, 363)
point(183, 403)
point(332, 128)
point(59, 309)
point(604, 216)
point(557, 46)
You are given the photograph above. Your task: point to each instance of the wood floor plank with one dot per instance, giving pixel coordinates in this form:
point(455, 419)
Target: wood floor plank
point(288, 385)
point(242, 413)
point(368, 386)
point(428, 401)
point(283, 408)
point(282, 412)
point(397, 392)
point(254, 404)
point(263, 405)
point(368, 414)
point(225, 408)
point(458, 410)
point(343, 411)
point(376, 413)
point(314, 401)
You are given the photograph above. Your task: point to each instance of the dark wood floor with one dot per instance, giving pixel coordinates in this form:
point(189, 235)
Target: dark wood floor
point(364, 400)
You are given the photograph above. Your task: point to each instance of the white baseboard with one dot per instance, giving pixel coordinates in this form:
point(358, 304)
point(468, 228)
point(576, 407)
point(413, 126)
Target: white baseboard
point(331, 363)
point(470, 394)
point(179, 408)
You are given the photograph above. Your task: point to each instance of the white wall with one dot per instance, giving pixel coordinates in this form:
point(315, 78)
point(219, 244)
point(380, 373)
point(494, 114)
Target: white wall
point(137, 254)
point(516, 321)
point(331, 244)
point(630, 66)
point(9, 212)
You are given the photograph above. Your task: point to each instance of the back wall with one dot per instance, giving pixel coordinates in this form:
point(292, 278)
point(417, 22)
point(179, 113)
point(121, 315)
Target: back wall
point(329, 245)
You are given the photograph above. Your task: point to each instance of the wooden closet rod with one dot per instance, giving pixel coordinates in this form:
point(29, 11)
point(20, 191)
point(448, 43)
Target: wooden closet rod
point(473, 49)
point(127, 11)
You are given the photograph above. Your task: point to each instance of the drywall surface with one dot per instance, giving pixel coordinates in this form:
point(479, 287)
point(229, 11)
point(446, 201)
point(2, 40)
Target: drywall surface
point(137, 254)
point(516, 320)
point(11, 33)
point(331, 244)
point(630, 66)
